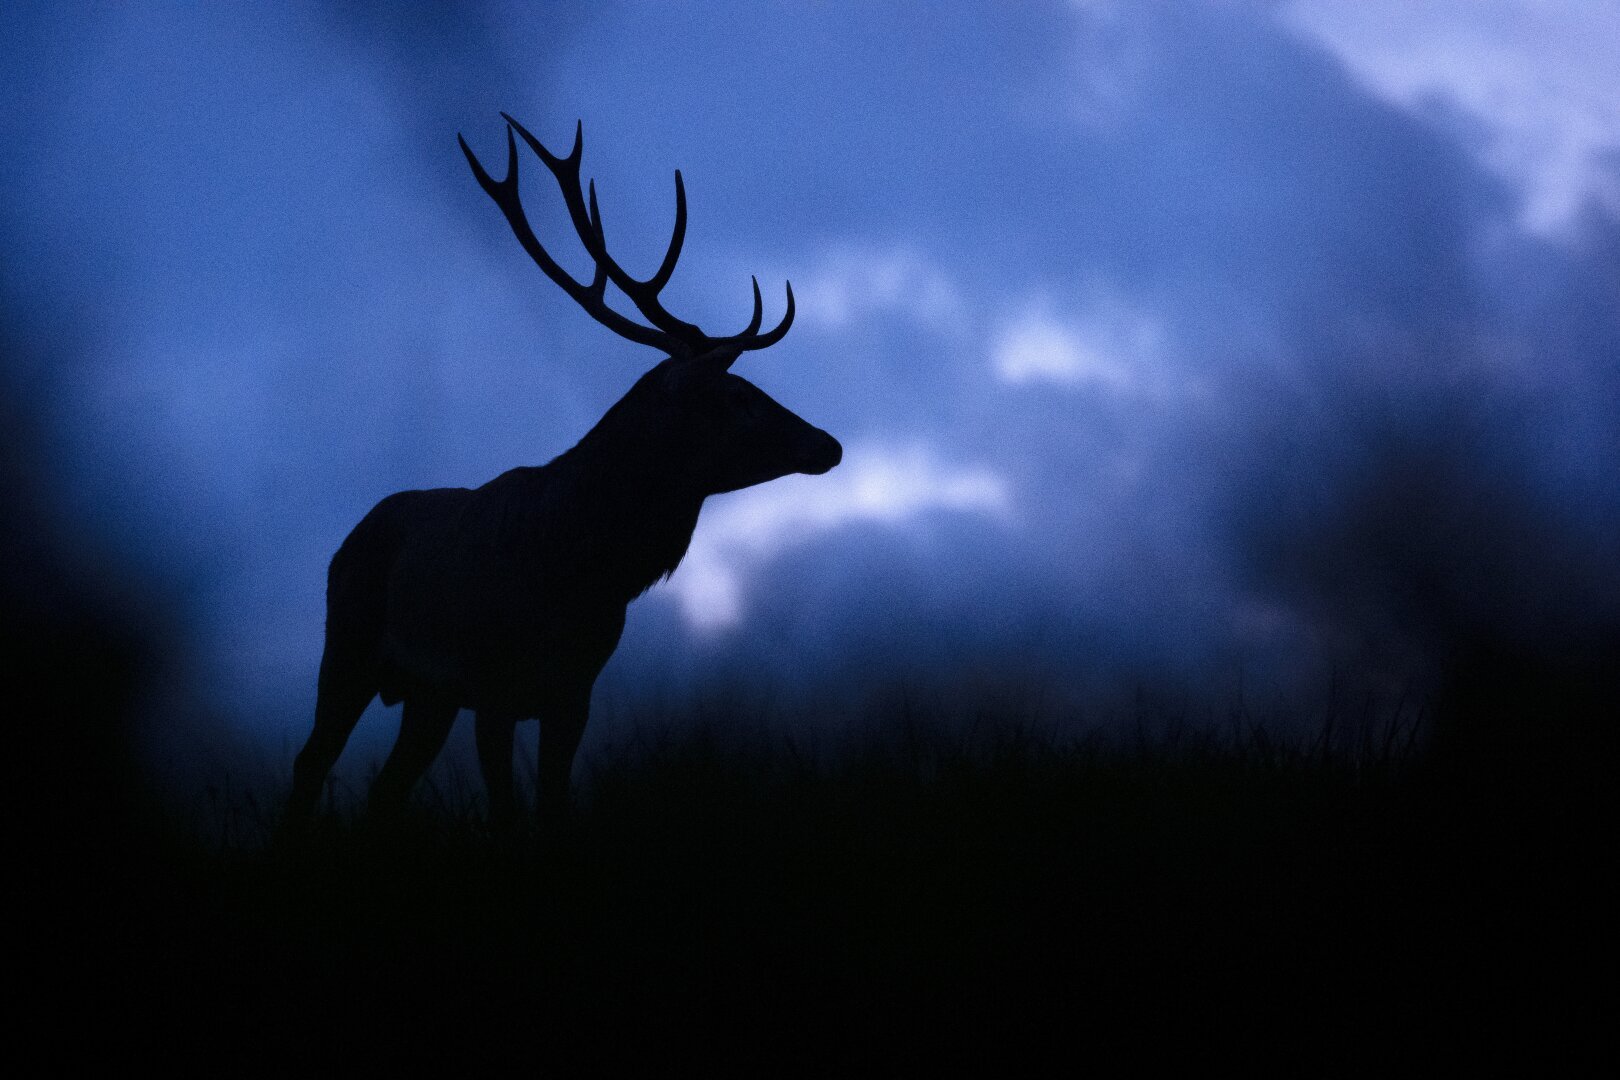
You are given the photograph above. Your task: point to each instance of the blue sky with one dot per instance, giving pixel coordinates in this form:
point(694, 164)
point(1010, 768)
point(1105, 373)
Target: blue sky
point(1180, 344)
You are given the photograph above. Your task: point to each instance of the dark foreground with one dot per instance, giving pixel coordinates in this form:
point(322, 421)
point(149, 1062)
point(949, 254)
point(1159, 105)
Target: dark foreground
point(962, 901)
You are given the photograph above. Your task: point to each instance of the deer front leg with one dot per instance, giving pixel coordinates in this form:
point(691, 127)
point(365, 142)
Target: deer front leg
point(423, 727)
point(494, 736)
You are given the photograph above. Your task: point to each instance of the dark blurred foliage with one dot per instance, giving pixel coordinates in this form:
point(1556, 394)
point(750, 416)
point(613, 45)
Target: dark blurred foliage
point(1431, 551)
point(74, 638)
point(85, 634)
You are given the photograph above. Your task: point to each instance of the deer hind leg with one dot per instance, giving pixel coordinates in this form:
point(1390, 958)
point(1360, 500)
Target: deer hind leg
point(494, 734)
point(423, 727)
point(343, 692)
point(560, 731)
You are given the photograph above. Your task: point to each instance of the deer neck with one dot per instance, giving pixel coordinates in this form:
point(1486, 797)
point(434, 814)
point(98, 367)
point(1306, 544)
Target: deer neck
point(633, 510)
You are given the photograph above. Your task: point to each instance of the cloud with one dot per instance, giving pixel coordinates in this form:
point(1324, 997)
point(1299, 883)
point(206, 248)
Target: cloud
point(1109, 346)
point(890, 487)
point(1539, 78)
point(852, 283)
point(1038, 348)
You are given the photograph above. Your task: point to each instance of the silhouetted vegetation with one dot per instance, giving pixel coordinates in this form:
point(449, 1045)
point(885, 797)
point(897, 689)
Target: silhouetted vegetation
point(962, 895)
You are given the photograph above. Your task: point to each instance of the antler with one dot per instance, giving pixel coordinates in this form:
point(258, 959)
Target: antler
point(667, 332)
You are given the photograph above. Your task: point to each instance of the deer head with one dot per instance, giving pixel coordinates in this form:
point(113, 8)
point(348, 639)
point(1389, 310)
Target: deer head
point(694, 422)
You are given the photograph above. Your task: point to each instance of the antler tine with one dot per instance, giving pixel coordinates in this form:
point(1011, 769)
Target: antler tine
point(587, 221)
point(759, 312)
point(552, 161)
point(644, 294)
point(771, 337)
point(590, 297)
point(566, 171)
point(657, 282)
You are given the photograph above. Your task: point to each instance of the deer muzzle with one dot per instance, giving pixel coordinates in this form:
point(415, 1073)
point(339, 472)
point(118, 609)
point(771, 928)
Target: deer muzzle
point(819, 453)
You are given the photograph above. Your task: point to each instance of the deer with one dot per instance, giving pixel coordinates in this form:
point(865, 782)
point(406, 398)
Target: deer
point(508, 599)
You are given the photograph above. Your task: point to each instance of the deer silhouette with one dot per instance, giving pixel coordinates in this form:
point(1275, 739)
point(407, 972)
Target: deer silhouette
point(508, 599)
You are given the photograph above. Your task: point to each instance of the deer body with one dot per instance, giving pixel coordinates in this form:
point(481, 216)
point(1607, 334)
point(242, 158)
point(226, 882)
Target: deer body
point(509, 598)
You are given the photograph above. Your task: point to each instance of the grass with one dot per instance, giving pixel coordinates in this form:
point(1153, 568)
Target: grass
point(958, 894)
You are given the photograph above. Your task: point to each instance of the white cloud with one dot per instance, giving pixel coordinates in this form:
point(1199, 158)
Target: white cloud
point(852, 283)
point(1038, 348)
point(1542, 76)
point(1108, 344)
point(874, 484)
